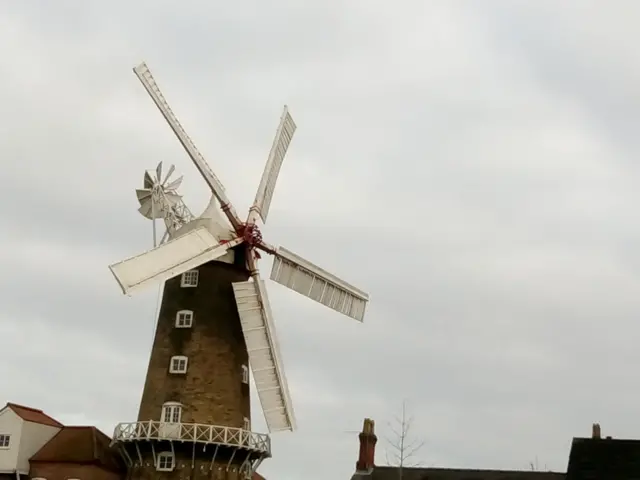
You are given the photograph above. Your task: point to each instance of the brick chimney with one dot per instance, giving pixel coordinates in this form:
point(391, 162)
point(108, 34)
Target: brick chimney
point(368, 441)
point(595, 430)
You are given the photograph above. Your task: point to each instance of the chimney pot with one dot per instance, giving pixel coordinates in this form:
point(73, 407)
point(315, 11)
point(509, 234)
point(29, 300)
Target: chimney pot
point(368, 441)
point(595, 431)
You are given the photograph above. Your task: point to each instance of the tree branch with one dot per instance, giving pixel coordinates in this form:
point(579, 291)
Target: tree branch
point(402, 447)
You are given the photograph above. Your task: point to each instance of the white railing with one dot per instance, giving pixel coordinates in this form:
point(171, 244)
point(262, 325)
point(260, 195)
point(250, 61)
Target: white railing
point(192, 432)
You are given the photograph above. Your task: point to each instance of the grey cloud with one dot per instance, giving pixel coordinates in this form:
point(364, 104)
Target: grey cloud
point(470, 167)
point(585, 60)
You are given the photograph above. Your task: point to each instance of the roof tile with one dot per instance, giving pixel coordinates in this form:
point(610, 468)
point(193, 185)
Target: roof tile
point(391, 473)
point(33, 415)
point(611, 458)
point(82, 445)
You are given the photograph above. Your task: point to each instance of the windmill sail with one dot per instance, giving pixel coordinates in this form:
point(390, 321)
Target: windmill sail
point(264, 356)
point(304, 277)
point(184, 253)
point(281, 142)
point(144, 75)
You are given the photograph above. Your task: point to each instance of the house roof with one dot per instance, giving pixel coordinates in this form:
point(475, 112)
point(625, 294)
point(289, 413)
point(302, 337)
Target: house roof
point(33, 415)
point(83, 445)
point(594, 458)
point(257, 476)
point(391, 473)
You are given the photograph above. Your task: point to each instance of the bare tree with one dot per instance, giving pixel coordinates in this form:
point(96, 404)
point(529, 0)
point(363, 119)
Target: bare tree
point(534, 465)
point(402, 450)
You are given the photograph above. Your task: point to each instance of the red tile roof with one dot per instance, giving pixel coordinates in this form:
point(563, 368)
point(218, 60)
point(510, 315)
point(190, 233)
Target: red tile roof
point(257, 476)
point(80, 445)
point(33, 415)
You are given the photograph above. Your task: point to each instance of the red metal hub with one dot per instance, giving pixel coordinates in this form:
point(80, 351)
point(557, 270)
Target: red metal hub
point(251, 235)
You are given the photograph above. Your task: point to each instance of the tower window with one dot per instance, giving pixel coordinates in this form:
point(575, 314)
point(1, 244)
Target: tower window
point(189, 279)
point(171, 412)
point(5, 439)
point(178, 364)
point(184, 319)
point(245, 374)
point(165, 462)
point(246, 424)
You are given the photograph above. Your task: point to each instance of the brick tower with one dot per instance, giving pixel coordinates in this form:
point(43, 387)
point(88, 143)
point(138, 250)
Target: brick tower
point(194, 420)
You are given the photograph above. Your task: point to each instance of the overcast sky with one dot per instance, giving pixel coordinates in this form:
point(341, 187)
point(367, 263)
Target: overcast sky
point(473, 165)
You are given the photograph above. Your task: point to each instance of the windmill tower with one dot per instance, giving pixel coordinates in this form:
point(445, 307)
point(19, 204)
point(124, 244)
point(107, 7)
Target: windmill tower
point(214, 322)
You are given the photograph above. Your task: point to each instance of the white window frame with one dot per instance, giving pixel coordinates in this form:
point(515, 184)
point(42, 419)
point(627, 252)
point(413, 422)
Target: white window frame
point(189, 279)
point(5, 442)
point(165, 468)
point(184, 319)
point(246, 424)
point(245, 374)
point(176, 359)
point(172, 411)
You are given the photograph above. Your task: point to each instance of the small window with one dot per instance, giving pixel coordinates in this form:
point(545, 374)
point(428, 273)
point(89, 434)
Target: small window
point(246, 424)
point(189, 279)
point(171, 412)
point(184, 319)
point(245, 374)
point(4, 440)
point(178, 364)
point(165, 462)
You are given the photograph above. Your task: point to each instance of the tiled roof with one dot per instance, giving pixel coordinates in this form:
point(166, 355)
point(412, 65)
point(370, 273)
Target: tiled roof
point(257, 476)
point(604, 458)
point(33, 415)
point(391, 473)
point(83, 445)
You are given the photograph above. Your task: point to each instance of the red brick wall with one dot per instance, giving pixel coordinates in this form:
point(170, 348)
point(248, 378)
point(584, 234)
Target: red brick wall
point(212, 391)
point(64, 471)
point(200, 472)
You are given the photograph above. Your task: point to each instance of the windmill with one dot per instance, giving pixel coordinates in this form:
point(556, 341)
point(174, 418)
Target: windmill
point(219, 235)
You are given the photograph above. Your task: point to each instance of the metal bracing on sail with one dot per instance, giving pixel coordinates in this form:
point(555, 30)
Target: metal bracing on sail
point(264, 354)
point(312, 281)
point(169, 259)
point(281, 142)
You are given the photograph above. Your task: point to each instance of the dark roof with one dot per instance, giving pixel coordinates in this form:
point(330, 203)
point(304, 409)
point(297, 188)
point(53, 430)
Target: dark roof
point(83, 445)
point(33, 415)
point(604, 458)
point(391, 473)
